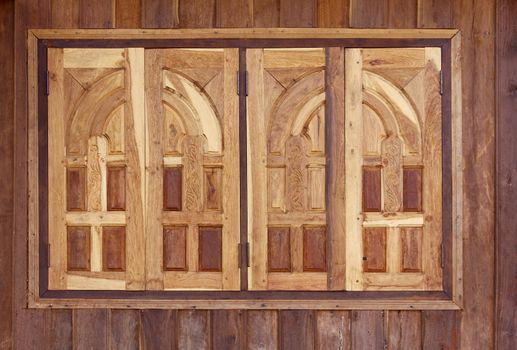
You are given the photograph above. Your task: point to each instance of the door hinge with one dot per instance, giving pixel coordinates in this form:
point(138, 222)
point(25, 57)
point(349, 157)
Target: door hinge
point(442, 256)
point(243, 248)
point(47, 85)
point(242, 86)
point(441, 82)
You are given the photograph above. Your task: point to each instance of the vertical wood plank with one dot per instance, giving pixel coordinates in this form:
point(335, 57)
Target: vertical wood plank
point(297, 13)
point(435, 13)
point(96, 13)
point(228, 329)
point(233, 14)
point(297, 329)
point(60, 336)
point(404, 330)
point(194, 330)
point(90, 329)
point(159, 329)
point(266, 13)
point(128, 13)
point(335, 109)
point(402, 13)
point(478, 106)
point(262, 329)
point(197, 13)
point(332, 330)
point(440, 330)
point(333, 13)
point(368, 13)
point(64, 13)
point(125, 329)
point(367, 330)
point(506, 239)
point(160, 13)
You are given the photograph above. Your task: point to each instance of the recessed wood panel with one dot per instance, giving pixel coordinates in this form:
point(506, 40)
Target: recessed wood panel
point(175, 248)
point(412, 189)
point(78, 248)
point(371, 189)
point(314, 249)
point(114, 248)
point(172, 188)
point(276, 189)
point(210, 248)
point(116, 188)
point(76, 188)
point(317, 188)
point(213, 188)
point(411, 245)
point(374, 245)
point(279, 249)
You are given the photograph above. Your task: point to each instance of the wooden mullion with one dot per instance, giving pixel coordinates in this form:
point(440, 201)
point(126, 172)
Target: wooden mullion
point(243, 172)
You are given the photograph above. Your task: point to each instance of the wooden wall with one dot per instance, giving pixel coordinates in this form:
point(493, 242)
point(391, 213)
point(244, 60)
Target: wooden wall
point(472, 328)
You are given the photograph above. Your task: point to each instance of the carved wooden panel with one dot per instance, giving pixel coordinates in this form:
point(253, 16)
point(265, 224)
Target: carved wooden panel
point(286, 113)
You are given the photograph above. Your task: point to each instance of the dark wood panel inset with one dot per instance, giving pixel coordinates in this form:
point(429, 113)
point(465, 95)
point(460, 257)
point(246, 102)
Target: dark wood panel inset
point(213, 188)
point(314, 249)
point(411, 243)
point(412, 189)
point(175, 248)
point(368, 13)
point(172, 188)
point(374, 243)
point(210, 248)
point(76, 188)
point(297, 329)
point(279, 249)
point(78, 248)
point(372, 189)
point(114, 248)
point(116, 188)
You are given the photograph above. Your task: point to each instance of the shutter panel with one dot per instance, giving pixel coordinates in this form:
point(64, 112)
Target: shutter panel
point(286, 116)
point(393, 169)
point(96, 169)
point(193, 169)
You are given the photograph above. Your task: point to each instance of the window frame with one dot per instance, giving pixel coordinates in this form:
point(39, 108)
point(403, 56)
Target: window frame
point(40, 296)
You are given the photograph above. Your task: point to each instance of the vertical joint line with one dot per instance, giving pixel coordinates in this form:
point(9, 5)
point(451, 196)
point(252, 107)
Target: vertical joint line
point(48, 255)
point(442, 256)
point(441, 82)
point(238, 83)
point(47, 82)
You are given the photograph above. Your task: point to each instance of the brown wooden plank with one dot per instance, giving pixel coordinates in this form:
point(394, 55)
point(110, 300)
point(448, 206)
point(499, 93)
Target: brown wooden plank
point(333, 330)
point(197, 13)
point(96, 14)
point(367, 330)
point(113, 248)
point(314, 248)
point(506, 239)
point(297, 13)
point(279, 249)
point(175, 248)
point(266, 13)
point(296, 329)
point(90, 329)
point(232, 14)
point(213, 188)
point(333, 13)
point(411, 245)
point(193, 329)
point(368, 13)
point(262, 329)
point(228, 329)
point(371, 189)
point(172, 188)
point(65, 13)
point(435, 13)
point(404, 330)
point(402, 13)
point(78, 248)
point(159, 329)
point(412, 189)
point(210, 248)
point(76, 188)
point(60, 336)
point(440, 330)
point(160, 13)
point(125, 329)
point(128, 13)
point(478, 106)
point(116, 188)
point(374, 245)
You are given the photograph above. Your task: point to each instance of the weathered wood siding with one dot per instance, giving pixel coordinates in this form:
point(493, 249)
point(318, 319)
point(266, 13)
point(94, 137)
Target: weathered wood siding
point(472, 328)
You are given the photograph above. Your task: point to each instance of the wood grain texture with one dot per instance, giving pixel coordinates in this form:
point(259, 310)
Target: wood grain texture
point(266, 13)
point(78, 248)
point(113, 248)
point(368, 13)
point(60, 325)
point(440, 330)
point(125, 329)
point(506, 240)
point(172, 188)
point(435, 13)
point(402, 13)
point(372, 189)
point(96, 14)
point(296, 329)
point(228, 329)
point(279, 249)
point(128, 13)
point(297, 13)
point(160, 13)
point(193, 330)
point(262, 329)
point(116, 182)
point(412, 189)
point(162, 322)
point(333, 13)
point(175, 248)
point(314, 249)
point(411, 244)
point(332, 330)
point(76, 188)
point(90, 329)
point(64, 13)
point(233, 14)
point(374, 245)
point(367, 330)
point(404, 330)
point(210, 248)
point(197, 13)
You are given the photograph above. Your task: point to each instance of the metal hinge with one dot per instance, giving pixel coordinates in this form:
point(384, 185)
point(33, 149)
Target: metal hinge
point(47, 91)
point(243, 249)
point(441, 82)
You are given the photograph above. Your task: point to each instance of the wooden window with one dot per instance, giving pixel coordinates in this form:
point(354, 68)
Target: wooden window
point(318, 172)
